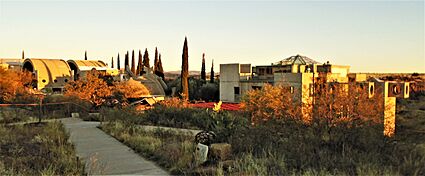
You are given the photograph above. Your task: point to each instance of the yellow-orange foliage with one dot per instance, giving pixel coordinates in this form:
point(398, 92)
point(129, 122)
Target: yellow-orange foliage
point(330, 103)
point(15, 83)
point(92, 89)
point(271, 102)
point(337, 103)
point(131, 89)
point(175, 103)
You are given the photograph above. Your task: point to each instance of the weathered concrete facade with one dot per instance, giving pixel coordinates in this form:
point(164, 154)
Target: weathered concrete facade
point(11, 64)
point(80, 68)
point(48, 73)
point(51, 75)
point(301, 74)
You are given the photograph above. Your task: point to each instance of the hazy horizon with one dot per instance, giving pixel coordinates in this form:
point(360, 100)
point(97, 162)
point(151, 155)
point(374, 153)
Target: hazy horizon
point(369, 36)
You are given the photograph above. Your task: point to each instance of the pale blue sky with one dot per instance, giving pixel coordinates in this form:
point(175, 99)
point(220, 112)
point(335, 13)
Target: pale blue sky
point(370, 36)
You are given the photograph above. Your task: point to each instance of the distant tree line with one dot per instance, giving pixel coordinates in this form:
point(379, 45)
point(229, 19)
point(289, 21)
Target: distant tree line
point(142, 66)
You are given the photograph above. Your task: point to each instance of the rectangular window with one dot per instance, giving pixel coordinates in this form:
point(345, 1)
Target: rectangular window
point(261, 71)
point(237, 90)
point(269, 71)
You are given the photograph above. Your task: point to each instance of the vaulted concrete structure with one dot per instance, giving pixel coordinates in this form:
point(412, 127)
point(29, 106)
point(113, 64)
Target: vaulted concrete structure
point(79, 68)
point(48, 74)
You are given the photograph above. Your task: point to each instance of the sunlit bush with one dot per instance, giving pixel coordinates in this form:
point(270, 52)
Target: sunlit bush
point(92, 89)
point(15, 87)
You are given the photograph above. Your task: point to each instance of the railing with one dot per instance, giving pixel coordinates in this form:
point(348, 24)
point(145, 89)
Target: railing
point(18, 111)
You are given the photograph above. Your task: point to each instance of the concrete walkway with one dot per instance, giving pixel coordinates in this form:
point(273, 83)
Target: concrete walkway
point(105, 155)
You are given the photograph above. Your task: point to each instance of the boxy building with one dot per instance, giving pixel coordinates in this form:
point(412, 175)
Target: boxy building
point(301, 74)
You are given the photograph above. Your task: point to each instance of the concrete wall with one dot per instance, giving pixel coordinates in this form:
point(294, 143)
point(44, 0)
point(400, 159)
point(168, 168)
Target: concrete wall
point(229, 79)
point(49, 73)
point(388, 104)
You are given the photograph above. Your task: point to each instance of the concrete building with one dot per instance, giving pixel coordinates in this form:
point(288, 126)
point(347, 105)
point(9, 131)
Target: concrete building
point(48, 74)
point(301, 75)
point(51, 75)
point(13, 64)
point(80, 68)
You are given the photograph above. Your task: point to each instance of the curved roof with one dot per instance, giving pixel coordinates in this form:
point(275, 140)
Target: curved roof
point(87, 64)
point(298, 59)
point(153, 83)
point(49, 72)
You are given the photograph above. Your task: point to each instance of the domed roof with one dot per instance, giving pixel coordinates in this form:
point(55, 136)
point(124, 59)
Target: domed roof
point(298, 59)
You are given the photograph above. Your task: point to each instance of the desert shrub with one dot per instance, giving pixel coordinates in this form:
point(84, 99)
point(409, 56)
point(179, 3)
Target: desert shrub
point(209, 92)
point(125, 115)
point(15, 87)
point(270, 102)
point(35, 149)
point(171, 150)
point(223, 123)
point(344, 135)
point(16, 114)
point(198, 89)
point(178, 117)
point(92, 89)
point(174, 102)
point(340, 151)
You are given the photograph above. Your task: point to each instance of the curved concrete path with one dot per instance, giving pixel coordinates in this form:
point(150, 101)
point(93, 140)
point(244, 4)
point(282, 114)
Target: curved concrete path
point(103, 154)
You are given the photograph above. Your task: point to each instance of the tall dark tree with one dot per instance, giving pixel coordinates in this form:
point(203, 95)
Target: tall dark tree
point(85, 55)
point(112, 62)
point(185, 71)
point(23, 54)
point(133, 64)
point(118, 62)
point(146, 59)
point(140, 64)
point(155, 61)
point(126, 61)
point(212, 72)
point(160, 70)
point(203, 73)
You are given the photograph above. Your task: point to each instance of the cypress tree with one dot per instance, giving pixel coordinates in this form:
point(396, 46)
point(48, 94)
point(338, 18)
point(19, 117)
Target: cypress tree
point(146, 59)
point(126, 62)
point(160, 70)
point(112, 62)
point(140, 64)
point(118, 62)
point(23, 54)
point(212, 72)
point(85, 55)
point(185, 71)
point(133, 65)
point(203, 73)
point(155, 61)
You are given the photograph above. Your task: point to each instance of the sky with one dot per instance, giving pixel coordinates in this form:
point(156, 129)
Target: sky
point(370, 36)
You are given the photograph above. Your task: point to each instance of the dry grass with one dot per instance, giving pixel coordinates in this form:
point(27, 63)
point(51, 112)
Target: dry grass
point(171, 150)
point(37, 149)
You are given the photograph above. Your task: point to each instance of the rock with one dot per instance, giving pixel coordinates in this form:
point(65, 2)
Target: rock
point(201, 154)
point(75, 115)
